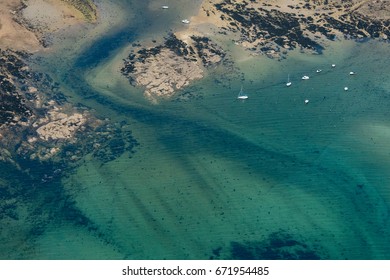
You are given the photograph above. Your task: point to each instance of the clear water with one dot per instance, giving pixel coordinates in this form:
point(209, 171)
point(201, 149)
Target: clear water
point(215, 177)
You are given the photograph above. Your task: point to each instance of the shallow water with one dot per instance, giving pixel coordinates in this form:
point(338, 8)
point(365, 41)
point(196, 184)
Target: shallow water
point(215, 177)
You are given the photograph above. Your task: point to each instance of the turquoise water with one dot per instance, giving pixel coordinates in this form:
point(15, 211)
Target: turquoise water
point(215, 177)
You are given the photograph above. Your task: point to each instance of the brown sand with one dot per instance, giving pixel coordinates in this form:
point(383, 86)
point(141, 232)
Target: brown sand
point(42, 15)
point(12, 34)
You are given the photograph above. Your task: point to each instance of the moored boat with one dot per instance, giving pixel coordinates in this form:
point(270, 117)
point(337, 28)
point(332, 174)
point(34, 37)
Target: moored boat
point(288, 81)
point(242, 95)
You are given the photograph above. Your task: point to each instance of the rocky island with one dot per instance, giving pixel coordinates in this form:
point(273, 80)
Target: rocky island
point(168, 67)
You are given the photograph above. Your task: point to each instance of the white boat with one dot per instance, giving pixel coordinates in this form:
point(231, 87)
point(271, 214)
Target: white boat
point(352, 73)
point(345, 88)
point(242, 95)
point(305, 77)
point(319, 71)
point(288, 81)
point(186, 21)
point(333, 65)
point(164, 7)
point(306, 101)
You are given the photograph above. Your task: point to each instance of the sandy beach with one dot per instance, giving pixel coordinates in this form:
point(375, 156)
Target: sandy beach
point(23, 24)
point(12, 34)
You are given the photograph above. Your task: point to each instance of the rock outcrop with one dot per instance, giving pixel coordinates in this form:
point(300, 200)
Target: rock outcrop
point(166, 68)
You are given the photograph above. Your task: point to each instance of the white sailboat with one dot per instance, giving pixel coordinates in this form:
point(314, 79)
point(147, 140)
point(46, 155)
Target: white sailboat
point(288, 81)
point(242, 95)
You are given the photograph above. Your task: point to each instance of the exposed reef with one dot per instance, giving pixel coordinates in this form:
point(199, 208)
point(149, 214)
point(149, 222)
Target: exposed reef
point(165, 68)
point(274, 27)
point(37, 123)
point(277, 246)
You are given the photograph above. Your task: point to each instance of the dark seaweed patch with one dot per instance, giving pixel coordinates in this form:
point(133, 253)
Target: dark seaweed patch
point(12, 103)
point(46, 203)
point(205, 48)
point(177, 46)
point(111, 145)
point(278, 246)
point(288, 30)
point(278, 27)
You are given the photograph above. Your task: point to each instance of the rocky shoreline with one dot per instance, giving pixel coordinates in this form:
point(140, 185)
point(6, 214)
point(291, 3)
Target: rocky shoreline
point(271, 28)
point(37, 123)
point(274, 28)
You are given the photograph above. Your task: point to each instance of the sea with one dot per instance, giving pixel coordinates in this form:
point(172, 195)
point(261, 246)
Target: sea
point(214, 177)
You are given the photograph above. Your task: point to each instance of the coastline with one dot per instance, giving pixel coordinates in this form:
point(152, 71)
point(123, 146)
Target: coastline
point(270, 28)
point(37, 117)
